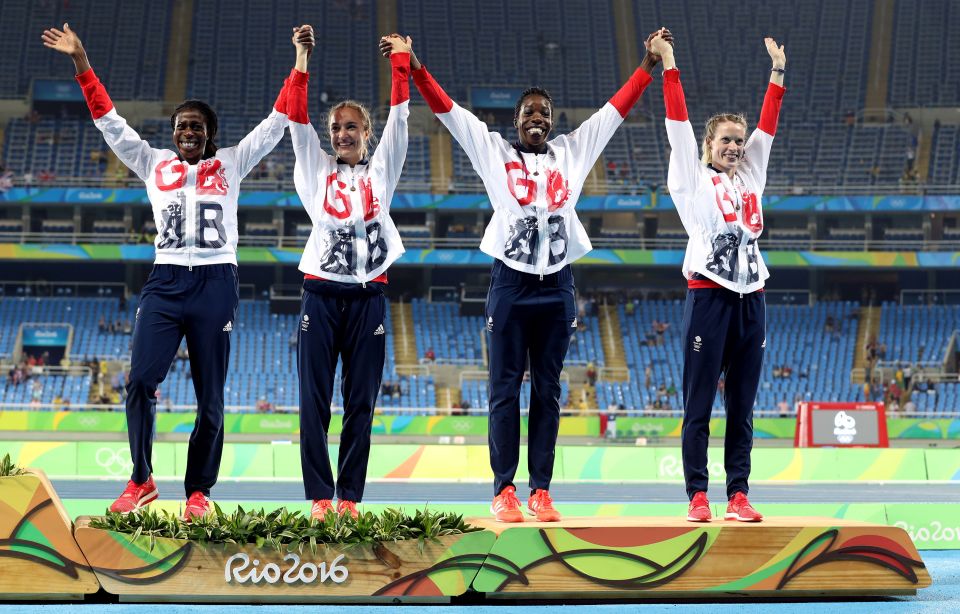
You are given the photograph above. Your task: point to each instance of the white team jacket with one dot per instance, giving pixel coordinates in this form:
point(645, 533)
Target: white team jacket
point(353, 240)
point(534, 228)
point(722, 217)
point(194, 205)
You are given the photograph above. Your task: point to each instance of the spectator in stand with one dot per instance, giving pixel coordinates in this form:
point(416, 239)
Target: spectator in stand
point(102, 324)
point(430, 355)
point(783, 408)
point(591, 374)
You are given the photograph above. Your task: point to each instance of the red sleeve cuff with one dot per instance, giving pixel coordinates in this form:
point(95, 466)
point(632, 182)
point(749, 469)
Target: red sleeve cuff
point(770, 113)
point(98, 101)
point(630, 93)
point(673, 98)
point(299, 78)
point(400, 75)
point(295, 92)
point(431, 91)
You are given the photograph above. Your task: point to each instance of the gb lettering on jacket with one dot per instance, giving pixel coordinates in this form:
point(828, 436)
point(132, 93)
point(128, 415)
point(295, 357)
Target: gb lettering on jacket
point(526, 187)
point(338, 200)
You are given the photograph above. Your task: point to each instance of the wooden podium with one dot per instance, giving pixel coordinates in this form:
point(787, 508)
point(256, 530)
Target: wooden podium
point(38, 557)
point(616, 558)
point(172, 570)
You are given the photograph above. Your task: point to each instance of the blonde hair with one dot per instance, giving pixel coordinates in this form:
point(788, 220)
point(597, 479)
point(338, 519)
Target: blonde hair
point(711, 129)
point(364, 119)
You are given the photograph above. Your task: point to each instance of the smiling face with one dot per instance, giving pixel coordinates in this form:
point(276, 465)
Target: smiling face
point(348, 134)
point(726, 146)
point(190, 134)
point(534, 121)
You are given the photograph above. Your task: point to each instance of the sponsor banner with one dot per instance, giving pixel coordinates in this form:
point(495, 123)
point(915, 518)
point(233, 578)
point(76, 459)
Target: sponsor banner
point(931, 526)
point(613, 463)
point(90, 421)
point(943, 465)
point(494, 97)
point(614, 202)
point(472, 462)
point(811, 464)
point(111, 459)
point(46, 335)
point(53, 457)
point(471, 257)
point(56, 90)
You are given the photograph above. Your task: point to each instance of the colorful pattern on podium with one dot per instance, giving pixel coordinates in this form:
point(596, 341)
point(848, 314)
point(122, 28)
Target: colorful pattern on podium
point(164, 569)
point(607, 558)
point(38, 557)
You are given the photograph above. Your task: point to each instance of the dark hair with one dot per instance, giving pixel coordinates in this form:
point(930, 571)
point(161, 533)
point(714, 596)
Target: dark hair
point(210, 116)
point(529, 92)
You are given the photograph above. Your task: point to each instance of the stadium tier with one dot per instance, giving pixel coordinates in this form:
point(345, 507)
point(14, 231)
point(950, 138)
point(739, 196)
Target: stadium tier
point(810, 355)
point(822, 140)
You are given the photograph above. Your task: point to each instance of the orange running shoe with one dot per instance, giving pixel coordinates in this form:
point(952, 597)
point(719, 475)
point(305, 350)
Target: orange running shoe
point(740, 509)
point(136, 496)
point(198, 505)
point(506, 506)
point(541, 505)
point(320, 508)
point(347, 507)
point(699, 510)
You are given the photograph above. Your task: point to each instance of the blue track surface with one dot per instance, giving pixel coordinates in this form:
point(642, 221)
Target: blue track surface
point(943, 597)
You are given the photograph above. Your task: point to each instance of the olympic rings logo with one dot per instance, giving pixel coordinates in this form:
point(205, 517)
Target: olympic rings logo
point(115, 462)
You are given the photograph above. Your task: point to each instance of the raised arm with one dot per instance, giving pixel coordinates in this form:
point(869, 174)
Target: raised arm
point(473, 135)
point(133, 151)
point(589, 139)
point(685, 165)
point(306, 142)
point(262, 139)
point(757, 149)
point(392, 150)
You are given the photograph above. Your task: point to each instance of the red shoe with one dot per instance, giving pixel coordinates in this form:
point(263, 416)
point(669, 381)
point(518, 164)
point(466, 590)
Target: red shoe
point(136, 496)
point(347, 507)
point(740, 509)
point(198, 505)
point(699, 510)
point(506, 506)
point(320, 508)
point(541, 505)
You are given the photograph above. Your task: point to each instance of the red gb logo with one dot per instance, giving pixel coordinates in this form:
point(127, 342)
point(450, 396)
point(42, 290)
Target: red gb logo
point(517, 178)
point(371, 204)
point(335, 202)
point(170, 175)
point(211, 178)
point(558, 190)
point(752, 216)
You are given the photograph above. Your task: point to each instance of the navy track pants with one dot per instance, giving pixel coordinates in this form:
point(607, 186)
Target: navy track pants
point(526, 317)
point(724, 333)
point(345, 320)
point(201, 305)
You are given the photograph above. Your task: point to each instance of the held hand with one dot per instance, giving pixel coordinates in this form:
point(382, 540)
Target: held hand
point(395, 43)
point(659, 43)
point(777, 54)
point(65, 41)
point(303, 39)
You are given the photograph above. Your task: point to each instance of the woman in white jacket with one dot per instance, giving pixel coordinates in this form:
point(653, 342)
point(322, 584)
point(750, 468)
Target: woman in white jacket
point(353, 241)
point(533, 185)
point(193, 289)
point(717, 192)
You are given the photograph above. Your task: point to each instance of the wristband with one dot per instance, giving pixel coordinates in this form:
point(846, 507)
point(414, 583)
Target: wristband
point(779, 70)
